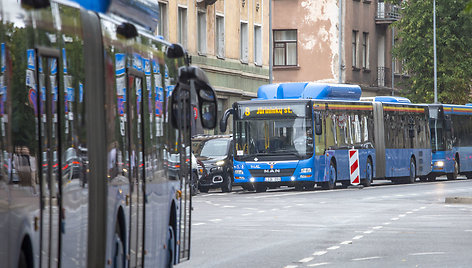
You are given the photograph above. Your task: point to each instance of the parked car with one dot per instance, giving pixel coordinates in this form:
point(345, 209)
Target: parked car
point(216, 153)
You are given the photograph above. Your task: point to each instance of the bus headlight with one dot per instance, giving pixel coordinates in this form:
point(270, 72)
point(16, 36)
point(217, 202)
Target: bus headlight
point(292, 178)
point(305, 170)
point(220, 163)
point(252, 179)
point(439, 163)
point(238, 172)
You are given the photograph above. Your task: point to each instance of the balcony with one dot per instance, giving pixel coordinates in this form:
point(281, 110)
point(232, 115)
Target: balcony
point(387, 13)
point(383, 77)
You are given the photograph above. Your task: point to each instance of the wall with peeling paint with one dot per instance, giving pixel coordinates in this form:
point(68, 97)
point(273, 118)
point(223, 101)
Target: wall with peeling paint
point(316, 22)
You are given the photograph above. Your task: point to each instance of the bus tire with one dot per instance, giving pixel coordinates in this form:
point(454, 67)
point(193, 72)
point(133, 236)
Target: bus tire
point(227, 186)
point(331, 183)
point(369, 174)
point(299, 186)
point(260, 188)
point(455, 173)
point(119, 260)
point(170, 247)
point(204, 189)
point(412, 177)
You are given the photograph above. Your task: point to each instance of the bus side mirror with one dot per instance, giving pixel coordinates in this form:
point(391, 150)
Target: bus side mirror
point(207, 105)
point(318, 124)
point(224, 119)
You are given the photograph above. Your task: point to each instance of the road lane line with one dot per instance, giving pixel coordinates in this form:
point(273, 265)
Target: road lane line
point(216, 220)
point(394, 219)
point(251, 208)
point(409, 212)
point(318, 264)
point(415, 210)
point(333, 247)
point(422, 207)
point(402, 215)
point(367, 258)
point(246, 214)
point(261, 211)
point(287, 206)
point(291, 266)
point(368, 232)
point(306, 259)
point(346, 243)
point(426, 253)
point(357, 237)
point(229, 206)
point(198, 223)
point(377, 227)
point(386, 223)
point(319, 253)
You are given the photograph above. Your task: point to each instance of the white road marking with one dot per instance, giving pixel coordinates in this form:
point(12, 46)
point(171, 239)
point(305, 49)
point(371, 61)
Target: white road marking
point(300, 204)
point(422, 207)
point(251, 208)
point(229, 206)
point(345, 243)
point(409, 212)
point(291, 266)
point(357, 237)
point(261, 211)
point(298, 193)
point(367, 258)
point(463, 209)
point(287, 206)
point(274, 209)
point(318, 264)
point(323, 202)
point(415, 210)
point(198, 223)
point(319, 253)
point(246, 214)
point(306, 259)
point(216, 205)
point(377, 227)
point(216, 220)
point(402, 215)
point(468, 230)
point(386, 223)
point(426, 253)
point(333, 247)
point(368, 232)
point(399, 195)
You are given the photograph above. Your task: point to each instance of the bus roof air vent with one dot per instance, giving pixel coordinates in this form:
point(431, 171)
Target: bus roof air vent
point(309, 90)
point(387, 99)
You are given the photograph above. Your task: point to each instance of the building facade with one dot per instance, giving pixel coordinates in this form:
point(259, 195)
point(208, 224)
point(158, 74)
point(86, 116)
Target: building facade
point(309, 45)
point(228, 39)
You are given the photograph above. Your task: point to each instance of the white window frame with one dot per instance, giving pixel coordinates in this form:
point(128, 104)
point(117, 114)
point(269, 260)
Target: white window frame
point(258, 45)
point(355, 44)
point(244, 42)
point(219, 46)
point(163, 29)
point(201, 32)
point(365, 50)
point(182, 29)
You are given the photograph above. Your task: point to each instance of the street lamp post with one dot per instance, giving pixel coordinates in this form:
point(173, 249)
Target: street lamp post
point(434, 49)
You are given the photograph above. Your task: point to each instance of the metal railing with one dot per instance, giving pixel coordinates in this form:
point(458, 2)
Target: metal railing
point(387, 12)
point(383, 77)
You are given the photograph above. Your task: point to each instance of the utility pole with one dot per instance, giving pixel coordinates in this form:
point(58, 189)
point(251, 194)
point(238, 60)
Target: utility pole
point(435, 56)
point(271, 57)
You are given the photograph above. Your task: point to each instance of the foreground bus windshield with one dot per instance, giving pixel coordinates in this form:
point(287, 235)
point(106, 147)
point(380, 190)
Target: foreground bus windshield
point(263, 130)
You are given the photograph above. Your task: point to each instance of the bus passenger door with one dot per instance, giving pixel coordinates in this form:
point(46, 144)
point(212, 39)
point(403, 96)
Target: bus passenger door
point(49, 121)
point(136, 127)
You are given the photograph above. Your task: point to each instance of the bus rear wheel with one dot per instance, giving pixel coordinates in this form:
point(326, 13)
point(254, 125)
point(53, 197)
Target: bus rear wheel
point(412, 177)
point(455, 173)
point(368, 174)
point(331, 183)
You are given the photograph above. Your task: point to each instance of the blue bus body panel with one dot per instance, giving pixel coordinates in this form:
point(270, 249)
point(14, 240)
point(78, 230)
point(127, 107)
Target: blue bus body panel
point(309, 90)
point(342, 163)
point(397, 162)
point(465, 153)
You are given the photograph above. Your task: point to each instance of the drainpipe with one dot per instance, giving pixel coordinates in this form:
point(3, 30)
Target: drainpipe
point(270, 42)
point(340, 47)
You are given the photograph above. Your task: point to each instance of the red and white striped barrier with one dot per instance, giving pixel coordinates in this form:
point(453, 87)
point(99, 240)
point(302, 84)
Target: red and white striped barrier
point(354, 166)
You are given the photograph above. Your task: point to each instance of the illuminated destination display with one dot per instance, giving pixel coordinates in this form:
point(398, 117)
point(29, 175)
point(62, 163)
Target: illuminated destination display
point(260, 110)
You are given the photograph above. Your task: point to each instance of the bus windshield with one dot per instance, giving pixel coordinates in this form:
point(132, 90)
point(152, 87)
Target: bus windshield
point(292, 137)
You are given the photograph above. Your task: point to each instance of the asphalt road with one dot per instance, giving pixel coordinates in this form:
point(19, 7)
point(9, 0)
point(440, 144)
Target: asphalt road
point(385, 225)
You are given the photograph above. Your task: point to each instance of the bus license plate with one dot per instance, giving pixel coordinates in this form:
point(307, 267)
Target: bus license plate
point(272, 179)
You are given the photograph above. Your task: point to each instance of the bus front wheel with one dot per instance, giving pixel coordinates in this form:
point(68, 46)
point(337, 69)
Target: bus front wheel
point(455, 173)
point(412, 177)
point(331, 183)
point(260, 188)
point(368, 174)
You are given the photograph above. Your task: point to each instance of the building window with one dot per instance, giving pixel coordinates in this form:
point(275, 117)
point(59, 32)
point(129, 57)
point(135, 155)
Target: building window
point(365, 50)
point(220, 36)
point(183, 26)
point(285, 48)
point(354, 49)
point(201, 21)
point(257, 45)
point(163, 20)
point(244, 42)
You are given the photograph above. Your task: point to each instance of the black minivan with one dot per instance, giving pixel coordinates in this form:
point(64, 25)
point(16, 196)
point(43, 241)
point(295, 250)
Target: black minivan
point(217, 156)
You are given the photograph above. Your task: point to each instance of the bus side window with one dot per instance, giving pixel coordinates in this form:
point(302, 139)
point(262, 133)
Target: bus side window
point(318, 124)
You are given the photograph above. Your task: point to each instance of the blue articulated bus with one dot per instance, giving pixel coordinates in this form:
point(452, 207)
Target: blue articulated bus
point(300, 134)
point(93, 109)
point(451, 140)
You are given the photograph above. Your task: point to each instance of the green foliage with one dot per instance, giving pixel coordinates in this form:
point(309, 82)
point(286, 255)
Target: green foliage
point(454, 46)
